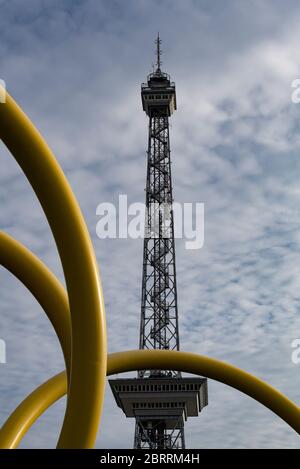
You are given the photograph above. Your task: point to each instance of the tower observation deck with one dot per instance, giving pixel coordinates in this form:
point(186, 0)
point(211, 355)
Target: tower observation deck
point(160, 401)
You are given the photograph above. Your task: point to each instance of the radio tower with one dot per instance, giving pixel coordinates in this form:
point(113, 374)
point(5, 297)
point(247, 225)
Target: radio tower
point(160, 401)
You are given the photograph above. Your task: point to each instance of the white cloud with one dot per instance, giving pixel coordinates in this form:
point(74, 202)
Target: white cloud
point(77, 71)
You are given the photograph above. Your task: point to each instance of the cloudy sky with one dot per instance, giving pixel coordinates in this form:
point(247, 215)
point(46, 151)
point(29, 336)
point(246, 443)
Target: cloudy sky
point(75, 67)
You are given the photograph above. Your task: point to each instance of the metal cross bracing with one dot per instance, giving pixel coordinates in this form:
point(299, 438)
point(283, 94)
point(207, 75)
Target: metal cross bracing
point(159, 315)
point(158, 437)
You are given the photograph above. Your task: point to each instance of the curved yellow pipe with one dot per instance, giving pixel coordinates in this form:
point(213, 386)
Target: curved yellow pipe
point(89, 351)
point(34, 405)
point(41, 282)
point(49, 392)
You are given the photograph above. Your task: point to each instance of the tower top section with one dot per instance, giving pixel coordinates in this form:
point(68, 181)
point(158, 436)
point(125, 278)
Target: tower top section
point(158, 94)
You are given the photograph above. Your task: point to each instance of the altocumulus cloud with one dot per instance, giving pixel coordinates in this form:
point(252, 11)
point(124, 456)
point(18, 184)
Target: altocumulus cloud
point(76, 68)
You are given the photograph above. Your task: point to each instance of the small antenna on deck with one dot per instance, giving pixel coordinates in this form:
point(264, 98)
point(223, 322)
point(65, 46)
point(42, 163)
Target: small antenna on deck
point(158, 53)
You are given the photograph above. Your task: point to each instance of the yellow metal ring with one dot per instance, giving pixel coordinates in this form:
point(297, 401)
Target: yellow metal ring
point(45, 287)
point(49, 392)
point(89, 350)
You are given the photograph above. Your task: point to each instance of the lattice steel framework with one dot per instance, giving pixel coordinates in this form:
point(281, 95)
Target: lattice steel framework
point(159, 318)
point(159, 315)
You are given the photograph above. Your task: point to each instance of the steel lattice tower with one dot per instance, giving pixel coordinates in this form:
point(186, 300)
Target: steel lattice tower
point(159, 314)
point(160, 401)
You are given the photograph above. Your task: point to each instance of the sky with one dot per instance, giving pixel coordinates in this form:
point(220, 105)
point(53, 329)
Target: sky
point(76, 67)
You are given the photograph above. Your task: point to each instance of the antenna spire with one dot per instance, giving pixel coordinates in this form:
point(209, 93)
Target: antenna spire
point(158, 53)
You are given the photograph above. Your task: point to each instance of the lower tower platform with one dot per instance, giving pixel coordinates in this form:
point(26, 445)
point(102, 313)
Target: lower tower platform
point(160, 405)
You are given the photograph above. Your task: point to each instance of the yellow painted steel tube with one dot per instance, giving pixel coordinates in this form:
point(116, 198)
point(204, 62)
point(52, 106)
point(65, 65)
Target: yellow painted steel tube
point(89, 350)
point(211, 368)
point(45, 287)
point(36, 403)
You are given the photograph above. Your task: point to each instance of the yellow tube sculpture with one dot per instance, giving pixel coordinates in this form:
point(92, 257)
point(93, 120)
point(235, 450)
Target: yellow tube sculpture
point(38, 279)
point(78, 316)
point(49, 392)
point(89, 351)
